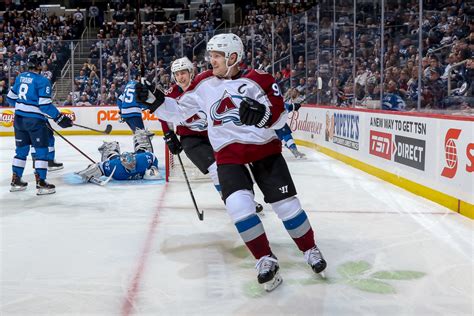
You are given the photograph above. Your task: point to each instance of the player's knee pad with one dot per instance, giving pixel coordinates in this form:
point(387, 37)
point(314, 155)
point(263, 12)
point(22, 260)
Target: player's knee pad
point(109, 150)
point(213, 173)
point(22, 152)
point(142, 140)
point(287, 208)
point(240, 205)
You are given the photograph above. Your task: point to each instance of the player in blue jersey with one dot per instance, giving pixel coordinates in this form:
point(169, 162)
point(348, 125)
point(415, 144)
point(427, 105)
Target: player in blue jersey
point(31, 96)
point(284, 133)
point(141, 164)
point(53, 165)
point(130, 108)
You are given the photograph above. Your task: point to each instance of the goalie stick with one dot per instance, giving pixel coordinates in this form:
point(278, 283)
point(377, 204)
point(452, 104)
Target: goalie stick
point(100, 182)
point(200, 214)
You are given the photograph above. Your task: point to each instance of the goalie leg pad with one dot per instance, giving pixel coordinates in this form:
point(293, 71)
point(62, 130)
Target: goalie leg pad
point(92, 171)
point(109, 150)
point(142, 140)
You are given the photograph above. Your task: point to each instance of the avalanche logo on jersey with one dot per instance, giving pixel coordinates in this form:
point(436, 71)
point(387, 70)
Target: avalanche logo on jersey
point(225, 110)
point(198, 122)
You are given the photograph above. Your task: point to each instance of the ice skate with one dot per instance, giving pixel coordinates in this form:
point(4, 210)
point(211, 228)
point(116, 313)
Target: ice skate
point(43, 187)
point(267, 269)
point(17, 184)
point(315, 259)
point(53, 165)
point(298, 154)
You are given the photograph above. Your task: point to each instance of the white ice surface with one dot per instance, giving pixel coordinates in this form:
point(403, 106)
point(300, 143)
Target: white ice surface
point(139, 249)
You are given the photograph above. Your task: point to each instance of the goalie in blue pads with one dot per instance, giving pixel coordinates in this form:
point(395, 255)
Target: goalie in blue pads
point(141, 164)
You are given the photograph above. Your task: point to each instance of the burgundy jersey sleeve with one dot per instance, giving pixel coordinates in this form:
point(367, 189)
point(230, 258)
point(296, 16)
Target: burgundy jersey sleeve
point(272, 91)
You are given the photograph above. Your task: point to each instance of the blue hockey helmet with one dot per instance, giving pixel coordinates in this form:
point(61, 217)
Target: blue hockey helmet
point(35, 59)
point(128, 160)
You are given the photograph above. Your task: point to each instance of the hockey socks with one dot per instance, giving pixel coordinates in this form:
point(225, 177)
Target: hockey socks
point(252, 233)
point(300, 230)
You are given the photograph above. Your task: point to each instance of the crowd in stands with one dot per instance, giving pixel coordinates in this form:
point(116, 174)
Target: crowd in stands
point(448, 39)
point(27, 30)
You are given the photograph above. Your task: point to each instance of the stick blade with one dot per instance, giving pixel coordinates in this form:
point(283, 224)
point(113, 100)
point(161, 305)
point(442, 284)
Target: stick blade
point(108, 129)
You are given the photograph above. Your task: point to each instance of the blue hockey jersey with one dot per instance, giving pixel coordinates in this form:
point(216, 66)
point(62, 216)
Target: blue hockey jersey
point(31, 96)
point(143, 162)
point(127, 102)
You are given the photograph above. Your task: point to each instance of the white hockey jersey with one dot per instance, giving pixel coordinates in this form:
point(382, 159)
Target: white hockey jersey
point(232, 141)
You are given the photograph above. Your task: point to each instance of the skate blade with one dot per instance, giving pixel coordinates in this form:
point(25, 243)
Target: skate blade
point(45, 191)
point(322, 274)
point(17, 189)
point(273, 283)
point(55, 168)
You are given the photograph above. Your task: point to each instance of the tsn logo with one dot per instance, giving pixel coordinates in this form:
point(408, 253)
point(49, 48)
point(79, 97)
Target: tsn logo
point(113, 115)
point(381, 144)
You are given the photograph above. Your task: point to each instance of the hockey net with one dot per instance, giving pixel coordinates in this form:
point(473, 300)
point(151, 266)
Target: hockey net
point(174, 172)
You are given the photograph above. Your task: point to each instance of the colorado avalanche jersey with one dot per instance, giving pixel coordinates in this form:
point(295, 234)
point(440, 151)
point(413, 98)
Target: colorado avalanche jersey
point(195, 125)
point(31, 96)
point(144, 161)
point(220, 99)
point(127, 101)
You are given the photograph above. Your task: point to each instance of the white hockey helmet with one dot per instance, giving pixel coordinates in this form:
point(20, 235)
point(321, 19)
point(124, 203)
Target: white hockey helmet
point(228, 43)
point(182, 64)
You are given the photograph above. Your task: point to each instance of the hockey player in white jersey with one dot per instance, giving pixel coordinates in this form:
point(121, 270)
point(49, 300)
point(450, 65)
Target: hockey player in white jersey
point(244, 108)
point(192, 133)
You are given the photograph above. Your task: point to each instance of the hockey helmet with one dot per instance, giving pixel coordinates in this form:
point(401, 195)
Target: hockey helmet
point(35, 59)
point(128, 160)
point(182, 64)
point(227, 43)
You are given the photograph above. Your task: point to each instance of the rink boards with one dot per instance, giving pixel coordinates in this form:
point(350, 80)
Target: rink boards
point(429, 155)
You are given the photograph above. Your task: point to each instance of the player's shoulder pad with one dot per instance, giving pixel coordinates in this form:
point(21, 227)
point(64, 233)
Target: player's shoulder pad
point(263, 78)
point(203, 75)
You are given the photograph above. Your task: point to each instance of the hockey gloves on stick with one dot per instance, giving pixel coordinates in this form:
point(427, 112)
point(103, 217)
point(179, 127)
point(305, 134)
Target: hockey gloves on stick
point(252, 112)
point(174, 145)
point(63, 121)
point(144, 94)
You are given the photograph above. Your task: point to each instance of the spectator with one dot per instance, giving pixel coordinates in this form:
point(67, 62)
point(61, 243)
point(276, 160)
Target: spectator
point(392, 101)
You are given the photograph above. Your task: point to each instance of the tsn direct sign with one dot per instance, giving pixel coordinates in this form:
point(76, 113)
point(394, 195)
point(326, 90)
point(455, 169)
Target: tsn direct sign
point(404, 150)
point(455, 152)
point(114, 115)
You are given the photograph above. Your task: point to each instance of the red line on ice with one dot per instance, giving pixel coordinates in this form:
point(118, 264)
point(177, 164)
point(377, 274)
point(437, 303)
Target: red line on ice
point(132, 291)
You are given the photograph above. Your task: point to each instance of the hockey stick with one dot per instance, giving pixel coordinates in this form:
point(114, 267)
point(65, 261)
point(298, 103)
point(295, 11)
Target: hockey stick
point(67, 141)
point(140, 41)
point(107, 130)
point(201, 213)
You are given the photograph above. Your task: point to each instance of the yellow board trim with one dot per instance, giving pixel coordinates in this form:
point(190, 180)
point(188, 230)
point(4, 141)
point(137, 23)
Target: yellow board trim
point(86, 132)
point(453, 203)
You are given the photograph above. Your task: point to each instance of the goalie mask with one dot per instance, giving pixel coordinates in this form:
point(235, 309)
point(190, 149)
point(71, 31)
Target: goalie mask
point(128, 160)
point(182, 64)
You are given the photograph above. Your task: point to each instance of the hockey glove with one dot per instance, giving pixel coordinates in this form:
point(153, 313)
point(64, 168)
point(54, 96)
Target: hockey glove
point(174, 145)
point(63, 121)
point(145, 95)
point(252, 112)
point(296, 106)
